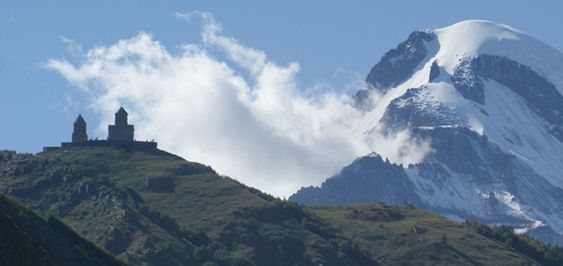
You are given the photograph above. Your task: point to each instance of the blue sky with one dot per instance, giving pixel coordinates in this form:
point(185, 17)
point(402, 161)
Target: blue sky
point(256, 89)
point(333, 41)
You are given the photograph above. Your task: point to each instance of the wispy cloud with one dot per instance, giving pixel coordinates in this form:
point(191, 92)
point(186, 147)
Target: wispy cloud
point(259, 128)
point(72, 47)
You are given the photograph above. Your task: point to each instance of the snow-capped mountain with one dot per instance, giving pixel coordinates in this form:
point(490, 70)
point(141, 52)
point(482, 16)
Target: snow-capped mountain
point(488, 99)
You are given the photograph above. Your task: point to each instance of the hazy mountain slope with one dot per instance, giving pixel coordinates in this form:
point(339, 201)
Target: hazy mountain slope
point(367, 179)
point(27, 239)
point(488, 99)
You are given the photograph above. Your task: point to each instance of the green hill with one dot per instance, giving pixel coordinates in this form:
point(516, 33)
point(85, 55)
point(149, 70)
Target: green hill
point(27, 239)
point(158, 209)
point(154, 208)
point(405, 235)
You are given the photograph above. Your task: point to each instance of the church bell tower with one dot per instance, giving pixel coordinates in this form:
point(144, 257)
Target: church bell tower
point(79, 134)
point(121, 131)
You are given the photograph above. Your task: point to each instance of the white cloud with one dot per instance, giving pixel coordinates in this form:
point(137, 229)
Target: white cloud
point(261, 129)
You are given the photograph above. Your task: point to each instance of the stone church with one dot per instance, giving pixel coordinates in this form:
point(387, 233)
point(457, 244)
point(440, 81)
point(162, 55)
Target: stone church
point(121, 134)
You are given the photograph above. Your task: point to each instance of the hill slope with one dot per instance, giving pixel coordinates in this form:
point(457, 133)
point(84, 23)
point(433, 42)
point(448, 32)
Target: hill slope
point(158, 209)
point(404, 235)
point(27, 239)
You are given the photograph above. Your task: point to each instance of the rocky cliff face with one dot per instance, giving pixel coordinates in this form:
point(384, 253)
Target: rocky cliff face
point(398, 64)
point(493, 117)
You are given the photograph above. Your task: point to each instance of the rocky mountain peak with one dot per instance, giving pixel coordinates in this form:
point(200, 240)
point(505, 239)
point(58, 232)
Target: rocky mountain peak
point(489, 99)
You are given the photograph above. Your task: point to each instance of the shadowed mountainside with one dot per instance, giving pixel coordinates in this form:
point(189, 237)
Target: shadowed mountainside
point(27, 239)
